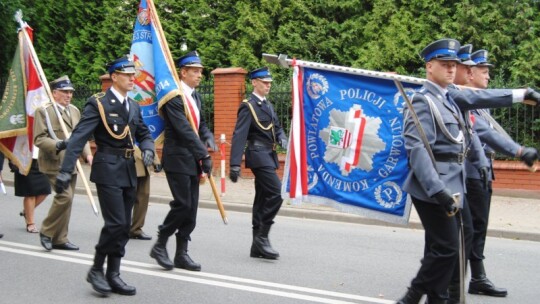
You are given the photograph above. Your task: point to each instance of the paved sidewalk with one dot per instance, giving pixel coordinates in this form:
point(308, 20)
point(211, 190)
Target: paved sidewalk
point(515, 214)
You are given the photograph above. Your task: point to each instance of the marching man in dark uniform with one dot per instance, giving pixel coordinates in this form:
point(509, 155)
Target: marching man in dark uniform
point(437, 191)
point(185, 157)
point(116, 123)
point(257, 125)
point(494, 139)
point(51, 141)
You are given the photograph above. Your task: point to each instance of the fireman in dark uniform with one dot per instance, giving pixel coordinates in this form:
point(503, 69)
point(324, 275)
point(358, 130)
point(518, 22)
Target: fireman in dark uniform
point(257, 126)
point(116, 123)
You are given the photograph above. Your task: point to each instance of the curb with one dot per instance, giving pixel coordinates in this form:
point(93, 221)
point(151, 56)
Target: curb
point(323, 214)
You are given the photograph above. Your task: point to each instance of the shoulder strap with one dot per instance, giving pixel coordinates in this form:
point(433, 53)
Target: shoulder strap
point(254, 114)
point(104, 119)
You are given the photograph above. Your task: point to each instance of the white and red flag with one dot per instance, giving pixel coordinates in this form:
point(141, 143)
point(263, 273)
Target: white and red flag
point(24, 93)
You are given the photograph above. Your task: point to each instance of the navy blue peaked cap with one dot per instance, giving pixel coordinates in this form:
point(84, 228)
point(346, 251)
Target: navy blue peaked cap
point(190, 59)
point(261, 74)
point(442, 49)
point(123, 65)
point(464, 55)
point(480, 58)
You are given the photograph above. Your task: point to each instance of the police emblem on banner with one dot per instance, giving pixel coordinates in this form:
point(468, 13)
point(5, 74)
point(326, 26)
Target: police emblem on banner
point(355, 150)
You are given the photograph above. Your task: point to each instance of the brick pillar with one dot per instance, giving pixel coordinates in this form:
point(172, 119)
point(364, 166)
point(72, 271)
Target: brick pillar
point(229, 88)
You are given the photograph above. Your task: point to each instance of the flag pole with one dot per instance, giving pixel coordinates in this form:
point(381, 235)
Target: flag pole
point(170, 63)
point(41, 75)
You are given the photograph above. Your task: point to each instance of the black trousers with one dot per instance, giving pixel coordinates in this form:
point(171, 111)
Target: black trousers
point(116, 204)
point(479, 202)
point(183, 214)
point(441, 251)
point(267, 196)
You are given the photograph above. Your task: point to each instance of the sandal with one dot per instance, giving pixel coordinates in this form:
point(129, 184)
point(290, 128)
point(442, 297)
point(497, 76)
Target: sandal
point(31, 228)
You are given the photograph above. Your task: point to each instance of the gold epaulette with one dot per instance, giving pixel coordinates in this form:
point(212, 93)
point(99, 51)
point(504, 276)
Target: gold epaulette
point(99, 95)
point(256, 118)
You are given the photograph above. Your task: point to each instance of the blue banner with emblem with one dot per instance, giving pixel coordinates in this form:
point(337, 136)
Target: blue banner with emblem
point(154, 80)
point(352, 131)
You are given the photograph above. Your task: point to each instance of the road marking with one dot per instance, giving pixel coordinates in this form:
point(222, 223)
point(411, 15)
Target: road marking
point(294, 292)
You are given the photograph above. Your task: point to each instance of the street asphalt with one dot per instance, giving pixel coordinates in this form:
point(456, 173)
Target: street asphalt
point(514, 214)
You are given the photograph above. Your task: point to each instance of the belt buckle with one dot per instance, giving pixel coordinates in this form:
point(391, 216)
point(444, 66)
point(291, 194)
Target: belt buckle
point(460, 158)
point(128, 153)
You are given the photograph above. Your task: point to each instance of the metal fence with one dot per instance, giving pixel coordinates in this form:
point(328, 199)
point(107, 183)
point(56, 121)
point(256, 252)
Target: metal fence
point(522, 122)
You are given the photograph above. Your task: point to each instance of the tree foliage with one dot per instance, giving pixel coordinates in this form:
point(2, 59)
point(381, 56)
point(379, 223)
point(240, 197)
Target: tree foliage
point(77, 37)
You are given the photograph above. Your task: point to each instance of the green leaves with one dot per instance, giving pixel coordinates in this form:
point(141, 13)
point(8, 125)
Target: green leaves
point(78, 37)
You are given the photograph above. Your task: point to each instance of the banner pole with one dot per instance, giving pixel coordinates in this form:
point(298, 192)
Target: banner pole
point(170, 62)
point(41, 74)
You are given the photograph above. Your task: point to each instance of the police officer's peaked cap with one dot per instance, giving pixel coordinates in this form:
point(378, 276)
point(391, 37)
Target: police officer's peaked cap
point(480, 58)
point(262, 74)
point(443, 49)
point(464, 55)
point(123, 65)
point(63, 83)
point(190, 59)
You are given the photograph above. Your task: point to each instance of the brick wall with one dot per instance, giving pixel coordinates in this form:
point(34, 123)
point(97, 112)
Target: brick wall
point(514, 175)
point(229, 88)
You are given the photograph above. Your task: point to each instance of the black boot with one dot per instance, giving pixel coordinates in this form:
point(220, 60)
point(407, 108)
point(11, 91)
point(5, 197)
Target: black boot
point(481, 285)
point(255, 253)
point(435, 301)
point(412, 296)
point(262, 244)
point(453, 293)
point(113, 277)
point(159, 252)
point(181, 258)
point(97, 278)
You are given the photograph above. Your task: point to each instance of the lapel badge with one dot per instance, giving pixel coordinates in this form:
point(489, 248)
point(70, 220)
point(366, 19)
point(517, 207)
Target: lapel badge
point(113, 100)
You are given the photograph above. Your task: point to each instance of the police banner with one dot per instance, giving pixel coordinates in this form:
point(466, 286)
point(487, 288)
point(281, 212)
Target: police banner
point(154, 80)
point(346, 146)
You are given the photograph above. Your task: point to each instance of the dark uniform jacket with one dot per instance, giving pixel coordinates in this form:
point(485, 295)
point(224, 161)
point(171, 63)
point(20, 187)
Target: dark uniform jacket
point(183, 149)
point(108, 168)
point(424, 180)
point(254, 129)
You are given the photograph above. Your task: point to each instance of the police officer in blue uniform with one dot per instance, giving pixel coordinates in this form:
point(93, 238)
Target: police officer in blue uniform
point(438, 192)
point(116, 123)
point(494, 139)
point(257, 125)
point(185, 157)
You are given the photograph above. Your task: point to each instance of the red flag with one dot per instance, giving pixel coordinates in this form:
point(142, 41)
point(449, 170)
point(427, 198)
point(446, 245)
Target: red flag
point(19, 148)
point(297, 149)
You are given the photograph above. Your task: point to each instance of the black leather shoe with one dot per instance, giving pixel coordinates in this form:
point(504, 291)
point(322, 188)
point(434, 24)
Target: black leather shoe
point(119, 286)
point(142, 236)
point(46, 242)
point(98, 281)
point(66, 246)
point(487, 288)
